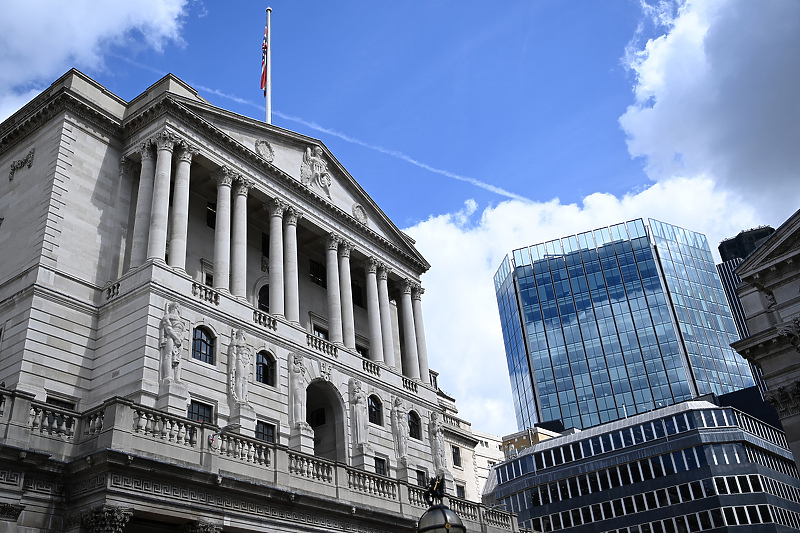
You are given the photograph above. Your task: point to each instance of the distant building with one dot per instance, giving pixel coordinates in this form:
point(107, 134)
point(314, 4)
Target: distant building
point(613, 322)
point(770, 295)
point(744, 243)
point(516, 442)
point(488, 452)
point(688, 467)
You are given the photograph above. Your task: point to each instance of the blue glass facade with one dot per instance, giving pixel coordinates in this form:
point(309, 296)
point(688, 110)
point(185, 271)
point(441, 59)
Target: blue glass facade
point(590, 331)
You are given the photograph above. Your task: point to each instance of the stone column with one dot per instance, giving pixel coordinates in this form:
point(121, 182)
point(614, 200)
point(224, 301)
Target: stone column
point(239, 237)
point(222, 232)
point(386, 316)
point(157, 238)
point(419, 328)
point(276, 208)
point(373, 311)
point(409, 355)
point(334, 297)
point(290, 271)
point(144, 205)
point(346, 288)
point(179, 222)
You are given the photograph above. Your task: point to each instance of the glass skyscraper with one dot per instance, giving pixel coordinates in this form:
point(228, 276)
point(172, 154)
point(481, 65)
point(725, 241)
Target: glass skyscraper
point(613, 322)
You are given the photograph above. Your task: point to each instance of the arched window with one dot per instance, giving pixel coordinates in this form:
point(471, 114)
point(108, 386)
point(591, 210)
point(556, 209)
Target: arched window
point(263, 299)
point(265, 368)
point(414, 428)
point(203, 345)
point(375, 409)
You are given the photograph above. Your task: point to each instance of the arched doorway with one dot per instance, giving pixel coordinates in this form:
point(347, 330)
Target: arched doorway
point(325, 414)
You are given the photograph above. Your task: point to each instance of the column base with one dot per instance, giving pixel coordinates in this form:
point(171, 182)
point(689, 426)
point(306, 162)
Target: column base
point(361, 457)
point(173, 397)
point(301, 438)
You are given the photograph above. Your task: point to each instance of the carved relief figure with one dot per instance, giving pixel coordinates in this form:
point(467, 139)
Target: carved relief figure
point(400, 429)
point(172, 329)
point(436, 434)
point(297, 390)
point(314, 171)
point(239, 363)
point(358, 401)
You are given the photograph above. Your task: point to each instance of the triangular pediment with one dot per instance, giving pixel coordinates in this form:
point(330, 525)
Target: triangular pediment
point(780, 247)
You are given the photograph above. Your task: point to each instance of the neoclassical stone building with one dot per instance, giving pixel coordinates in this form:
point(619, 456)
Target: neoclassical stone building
point(206, 324)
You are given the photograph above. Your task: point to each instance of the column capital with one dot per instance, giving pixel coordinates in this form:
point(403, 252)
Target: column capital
point(187, 152)
point(292, 216)
point(146, 152)
point(409, 285)
point(383, 271)
point(345, 248)
point(276, 207)
point(333, 241)
point(241, 185)
point(202, 527)
point(417, 291)
point(125, 166)
point(223, 176)
point(371, 265)
point(165, 140)
point(107, 519)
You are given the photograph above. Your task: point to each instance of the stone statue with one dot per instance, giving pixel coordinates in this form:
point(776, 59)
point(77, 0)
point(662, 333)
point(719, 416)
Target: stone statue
point(400, 429)
point(172, 329)
point(314, 171)
point(436, 434)
point(239, 361)
point(297, 391)
point(358, 401)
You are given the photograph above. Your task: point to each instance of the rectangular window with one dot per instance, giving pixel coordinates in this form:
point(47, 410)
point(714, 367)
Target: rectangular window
point(322, 333)
point(460, 492)
point(380, 466)
point(358, 298)
point(211, 215)
point(208, 279)
point(265, 245)
point(265, 431)
point(363, 352)
point(456, 456)
point(200, 412)
point(422, 479)
point(318, 274)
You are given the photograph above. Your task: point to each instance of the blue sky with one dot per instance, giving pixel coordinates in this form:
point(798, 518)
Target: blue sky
point(477, 128)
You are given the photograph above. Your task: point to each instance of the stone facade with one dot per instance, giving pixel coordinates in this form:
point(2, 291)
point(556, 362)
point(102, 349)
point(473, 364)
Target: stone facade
point(770, 295)
point(205, 325)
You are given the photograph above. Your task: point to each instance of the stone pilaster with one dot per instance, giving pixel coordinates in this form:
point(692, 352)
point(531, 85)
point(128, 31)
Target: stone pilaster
point(409, 356)
point(222, 230)
point(290, 271)
point(144, 205)
point(159, 216)
point(386, 316)
point(179, 222)
point(419, 329)
point(334, 296)
point(276, 208)
point(373, 311)
point(239, 236)
point(346, 289)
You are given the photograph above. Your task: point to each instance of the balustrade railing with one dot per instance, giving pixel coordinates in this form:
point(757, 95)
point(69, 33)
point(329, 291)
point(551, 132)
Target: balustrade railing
point(244, 449)
point(409, 384)
point(311, 467)
point(47, 419)
point(265, 320)
point(372, 368)
point(361, 481)
point(204, 292)
point(321, 345)
point(92, 422)
point(160, 425)
point(453, 421)
point(501, 519)
point(465, 509)
point(416, 496)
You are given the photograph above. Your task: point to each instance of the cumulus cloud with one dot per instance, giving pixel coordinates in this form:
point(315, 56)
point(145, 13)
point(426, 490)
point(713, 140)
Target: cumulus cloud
point(40, 40)
point(716, 95)
point(465, 249)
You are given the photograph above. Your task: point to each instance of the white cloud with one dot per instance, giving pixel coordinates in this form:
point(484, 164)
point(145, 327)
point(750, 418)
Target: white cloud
point(464, 337)
point(40, 40)
point(716, 95)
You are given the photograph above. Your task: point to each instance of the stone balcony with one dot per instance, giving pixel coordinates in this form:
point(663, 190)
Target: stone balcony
point(132, 438)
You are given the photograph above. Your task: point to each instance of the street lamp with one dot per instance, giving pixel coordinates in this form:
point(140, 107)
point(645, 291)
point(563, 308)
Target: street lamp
point(438, 518)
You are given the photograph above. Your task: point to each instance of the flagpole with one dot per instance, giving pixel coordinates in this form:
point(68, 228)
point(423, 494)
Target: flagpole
point(269, 68)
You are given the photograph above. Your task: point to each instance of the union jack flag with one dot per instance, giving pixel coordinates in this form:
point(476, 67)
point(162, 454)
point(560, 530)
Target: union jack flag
point(264, 63)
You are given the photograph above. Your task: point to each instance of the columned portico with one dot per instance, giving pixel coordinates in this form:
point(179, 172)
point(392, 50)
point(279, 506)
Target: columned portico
point(241, 186)
point(373, 311)
point(222, 232)
point(179, 221)
point(409, 355)
point(290, 272)
point(334, 297)
point(386, 316)
point(419, 328)
point(157, 235)
point(276, 301)
point(346, 288)
point(144, 206)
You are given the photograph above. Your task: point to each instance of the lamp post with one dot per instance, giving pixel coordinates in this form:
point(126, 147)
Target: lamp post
point(438, 518)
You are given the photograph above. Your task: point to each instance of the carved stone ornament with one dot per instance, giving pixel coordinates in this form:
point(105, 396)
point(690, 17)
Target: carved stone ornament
point(325, 370)
point(314, 171)
point(240, 360)
point(360, 213)
point(297, 391)
point(202, 527)
point(790, 329)
point(264, 149)
point(26, 161)
point(171, 342)
point(10, 512)
point(223, 176)
point(359, 421)
point(107, 519)
point(785, 400)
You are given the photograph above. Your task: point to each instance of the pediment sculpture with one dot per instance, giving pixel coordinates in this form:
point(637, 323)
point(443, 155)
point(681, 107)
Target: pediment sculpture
point(314, 171)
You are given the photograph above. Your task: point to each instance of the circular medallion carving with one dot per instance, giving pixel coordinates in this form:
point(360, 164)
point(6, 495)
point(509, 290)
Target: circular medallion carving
point(264, 149)
point(360, 213)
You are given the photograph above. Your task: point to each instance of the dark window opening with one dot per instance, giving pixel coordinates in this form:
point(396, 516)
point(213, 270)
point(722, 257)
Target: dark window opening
point(265, 369)
point(358, 298)
point(200, 412)
point(265, 432)
point(456, 456)
point(209, 279)
point(363, 352)
point(203, 345)
point(263, 299)
point(322, 333)
point(318, 274)
point(211, 215)
point(422, 479)
point(265, 245)
point(414, 426)
point(375, 410)
point(461, 492)
point(317, 418)
point(380, 466)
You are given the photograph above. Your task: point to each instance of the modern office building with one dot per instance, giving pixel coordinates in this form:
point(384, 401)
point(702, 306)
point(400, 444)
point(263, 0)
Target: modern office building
point(206, 325)
point(689, 467)
point(613, 322)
